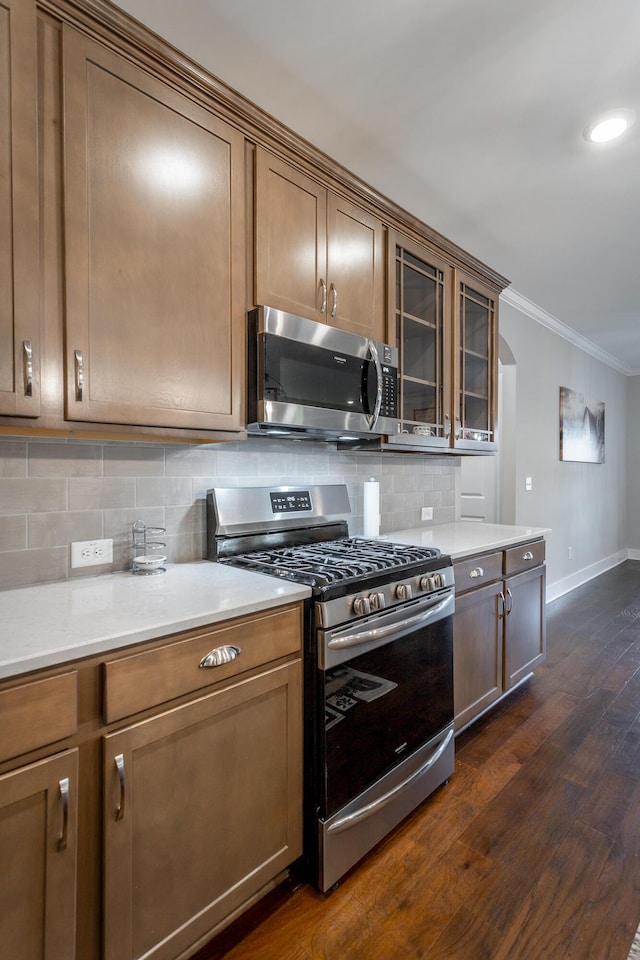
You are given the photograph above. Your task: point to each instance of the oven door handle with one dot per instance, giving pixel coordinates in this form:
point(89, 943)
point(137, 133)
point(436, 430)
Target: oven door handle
point(434, 612)
point(370, 808)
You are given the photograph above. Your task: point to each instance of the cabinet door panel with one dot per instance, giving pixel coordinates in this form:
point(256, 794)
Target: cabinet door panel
point(154, 249)
point(475, 366)
point(355, 265)
point(37, 873)
point(291, 239)
point(525, 644)
point(477, 652)
point(19, 278)
point(211, 806)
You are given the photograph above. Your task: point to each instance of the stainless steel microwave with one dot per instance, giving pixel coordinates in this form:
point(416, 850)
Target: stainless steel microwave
point(309, 380)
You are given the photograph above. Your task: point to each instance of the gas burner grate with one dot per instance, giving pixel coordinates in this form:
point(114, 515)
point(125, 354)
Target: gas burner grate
point(335, 561)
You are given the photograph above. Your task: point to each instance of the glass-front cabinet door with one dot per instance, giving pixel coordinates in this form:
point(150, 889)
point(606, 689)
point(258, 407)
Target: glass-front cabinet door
point(422, 293)
point(475, 365)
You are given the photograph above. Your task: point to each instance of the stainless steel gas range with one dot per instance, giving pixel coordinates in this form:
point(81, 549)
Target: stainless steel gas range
point(378, 661)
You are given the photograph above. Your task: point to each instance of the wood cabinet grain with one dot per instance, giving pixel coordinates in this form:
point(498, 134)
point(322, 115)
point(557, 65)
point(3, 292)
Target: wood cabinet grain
point(154, 249)
point(318, 255)
point(20, 321)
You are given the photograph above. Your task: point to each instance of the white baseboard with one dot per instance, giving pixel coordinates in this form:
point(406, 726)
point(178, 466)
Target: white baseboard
point(559, 587)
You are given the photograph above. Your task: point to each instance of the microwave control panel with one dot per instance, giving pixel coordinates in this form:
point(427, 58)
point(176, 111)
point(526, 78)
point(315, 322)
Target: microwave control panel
point(389, 406)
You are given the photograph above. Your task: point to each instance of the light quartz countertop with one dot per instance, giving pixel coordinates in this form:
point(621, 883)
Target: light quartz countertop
point(466, 537)
point(53, 623)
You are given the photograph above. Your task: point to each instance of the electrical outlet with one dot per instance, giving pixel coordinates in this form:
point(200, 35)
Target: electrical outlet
point(427, 513)
point(89, 553)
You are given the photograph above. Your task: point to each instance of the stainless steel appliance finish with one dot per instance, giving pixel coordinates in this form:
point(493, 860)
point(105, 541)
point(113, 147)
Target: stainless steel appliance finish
point(378, 662)
point(308, 379)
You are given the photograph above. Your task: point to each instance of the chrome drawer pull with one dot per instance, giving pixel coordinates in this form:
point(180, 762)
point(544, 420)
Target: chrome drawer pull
point(220, 655)
point(120, 768)
point(323, 305)
point(334, 308)
point(527, 556)
point(27, 359)
point(476, 572)
point(77, 355)
point(63, 786)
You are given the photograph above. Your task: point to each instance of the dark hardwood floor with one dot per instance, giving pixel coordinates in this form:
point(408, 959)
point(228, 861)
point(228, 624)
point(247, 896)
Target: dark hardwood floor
point(531, 852)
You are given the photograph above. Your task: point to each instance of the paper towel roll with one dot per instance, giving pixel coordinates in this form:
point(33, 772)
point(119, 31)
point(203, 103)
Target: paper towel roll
point(371, 507)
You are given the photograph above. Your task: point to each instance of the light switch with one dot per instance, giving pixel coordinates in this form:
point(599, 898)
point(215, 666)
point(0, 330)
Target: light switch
point(528, 483)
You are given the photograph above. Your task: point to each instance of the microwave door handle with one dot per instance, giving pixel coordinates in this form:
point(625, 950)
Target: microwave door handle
point(373, 350)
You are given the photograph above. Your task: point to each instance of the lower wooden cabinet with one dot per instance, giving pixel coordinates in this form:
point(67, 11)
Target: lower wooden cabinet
point(499, 626)
point(151, 794)
point(38, 859)
point(202, 809)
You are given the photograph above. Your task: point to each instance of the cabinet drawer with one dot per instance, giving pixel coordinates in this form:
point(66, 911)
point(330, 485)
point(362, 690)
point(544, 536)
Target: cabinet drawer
point(36, 714)
point(523, 557)
point(146, 679)
point(474, 573)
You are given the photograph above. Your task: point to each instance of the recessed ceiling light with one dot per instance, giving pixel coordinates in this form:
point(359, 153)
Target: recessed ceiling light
point(609, 126)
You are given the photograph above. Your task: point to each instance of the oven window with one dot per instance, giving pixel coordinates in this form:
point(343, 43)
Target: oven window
point(381, 706)
point(304, 374)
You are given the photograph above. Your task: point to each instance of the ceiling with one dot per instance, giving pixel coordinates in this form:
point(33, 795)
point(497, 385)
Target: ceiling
point(470, 115)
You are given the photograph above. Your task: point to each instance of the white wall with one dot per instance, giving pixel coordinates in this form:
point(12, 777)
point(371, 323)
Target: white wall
point(584, 504)
point(633, 467)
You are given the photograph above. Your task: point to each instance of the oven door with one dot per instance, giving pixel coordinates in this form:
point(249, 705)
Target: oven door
point(385, 690)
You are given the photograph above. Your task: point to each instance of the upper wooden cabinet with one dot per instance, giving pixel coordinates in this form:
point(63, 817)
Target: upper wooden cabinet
point(446, 333)
point(475, 361)
point(154, 247)
point(317, 254)
point(19, 289)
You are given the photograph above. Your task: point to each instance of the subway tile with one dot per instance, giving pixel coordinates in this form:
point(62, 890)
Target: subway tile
point(101, 493)
point(190, 518)
point(118, 522)
point(234, 464)
point(21, 567)
point(133, 460)
point(32, 495)
point(160, 491)
point(191, 461)
point(13, 458)
point(51, 459)
point(63, 527)
point(13, 533)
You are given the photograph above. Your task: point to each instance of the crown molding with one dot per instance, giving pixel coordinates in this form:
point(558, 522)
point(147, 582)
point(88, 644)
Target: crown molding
point(532, 310)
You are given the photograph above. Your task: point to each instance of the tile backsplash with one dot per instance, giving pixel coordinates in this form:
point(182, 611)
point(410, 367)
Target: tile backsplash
point(53, 492)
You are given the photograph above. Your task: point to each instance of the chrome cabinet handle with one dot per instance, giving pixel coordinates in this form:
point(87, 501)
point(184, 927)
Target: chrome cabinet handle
point(447, 425)
point(527, 555)
point(323, 305)
point(27, 367)
point(119, 760)
point(477, 572)
point(334, 306)
point(458, 428)
point(220, 655)
point(63, 786)
point(77, 355)
point(509, 601)
point(502, 610)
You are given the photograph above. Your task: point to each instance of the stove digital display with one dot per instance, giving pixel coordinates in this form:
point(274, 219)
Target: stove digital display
point(290, 502)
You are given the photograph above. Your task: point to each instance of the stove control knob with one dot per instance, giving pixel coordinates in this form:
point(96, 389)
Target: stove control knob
point(404, 591)
point(361, 606)
point(377, 601)
point(428, 583)
point(440, 579)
